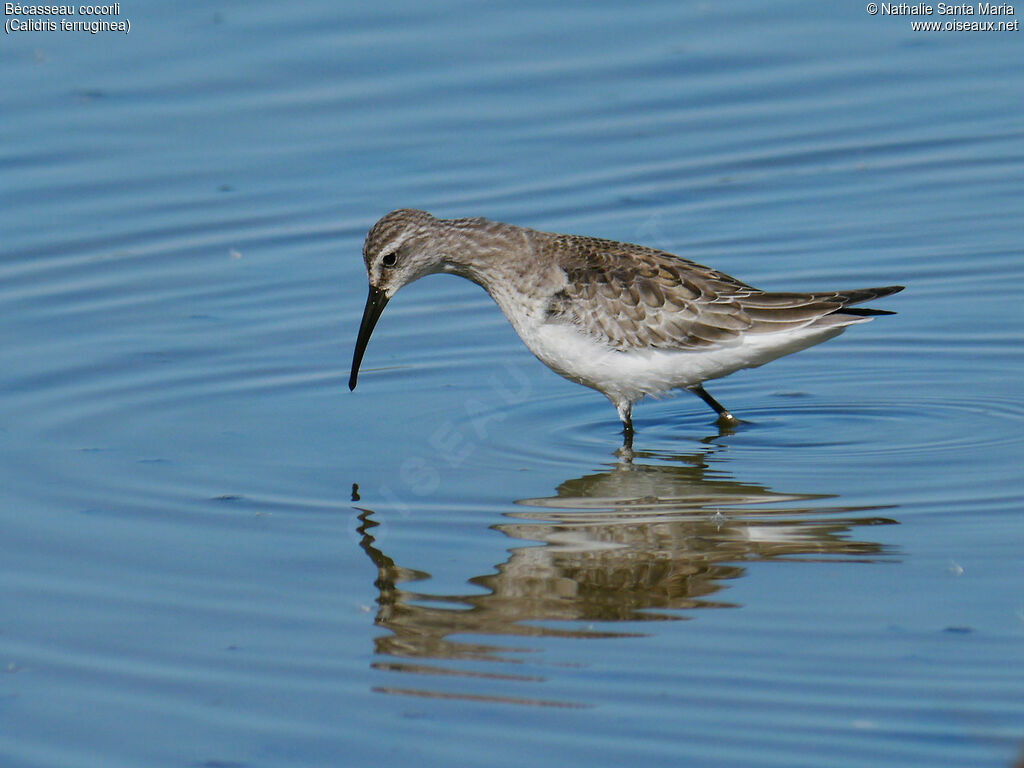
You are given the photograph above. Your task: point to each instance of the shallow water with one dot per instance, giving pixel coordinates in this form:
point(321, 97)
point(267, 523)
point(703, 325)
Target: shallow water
point(213, 554)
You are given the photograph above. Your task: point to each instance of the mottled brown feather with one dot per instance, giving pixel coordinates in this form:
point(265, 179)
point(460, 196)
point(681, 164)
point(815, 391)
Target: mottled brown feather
point(630, 296)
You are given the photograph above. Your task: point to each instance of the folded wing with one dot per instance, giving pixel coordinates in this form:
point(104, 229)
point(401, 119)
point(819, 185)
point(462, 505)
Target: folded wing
point(630, 296)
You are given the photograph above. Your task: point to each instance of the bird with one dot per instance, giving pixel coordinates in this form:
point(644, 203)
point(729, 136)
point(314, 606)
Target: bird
point(626, 320)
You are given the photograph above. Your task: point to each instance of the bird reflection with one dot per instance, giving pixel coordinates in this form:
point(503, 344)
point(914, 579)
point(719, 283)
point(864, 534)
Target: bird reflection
point(651, 537)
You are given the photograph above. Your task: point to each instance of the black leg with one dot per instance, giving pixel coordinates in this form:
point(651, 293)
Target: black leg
point(627, 434)
point(626, 414)
point(723, 415)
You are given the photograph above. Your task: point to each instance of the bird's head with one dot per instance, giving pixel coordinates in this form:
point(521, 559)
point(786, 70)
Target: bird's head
point(398, 250)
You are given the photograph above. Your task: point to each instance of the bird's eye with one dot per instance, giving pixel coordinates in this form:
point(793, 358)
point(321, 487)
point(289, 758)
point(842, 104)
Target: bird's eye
point(389, 260)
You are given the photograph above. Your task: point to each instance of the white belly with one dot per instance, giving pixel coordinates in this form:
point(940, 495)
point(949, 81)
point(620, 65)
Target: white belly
point(630, 375)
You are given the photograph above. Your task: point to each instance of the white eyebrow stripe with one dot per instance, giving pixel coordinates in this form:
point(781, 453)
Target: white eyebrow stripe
point(394, 243)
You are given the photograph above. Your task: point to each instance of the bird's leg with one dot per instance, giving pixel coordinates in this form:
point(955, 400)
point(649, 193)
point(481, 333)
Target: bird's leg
point(625, 409)
point(723, 415)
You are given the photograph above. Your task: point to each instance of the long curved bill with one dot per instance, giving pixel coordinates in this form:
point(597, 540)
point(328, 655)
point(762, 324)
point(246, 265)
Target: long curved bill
point(375, 304)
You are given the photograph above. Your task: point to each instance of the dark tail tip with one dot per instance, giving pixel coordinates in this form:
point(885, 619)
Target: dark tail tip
point(866, 294)
point(863, 311)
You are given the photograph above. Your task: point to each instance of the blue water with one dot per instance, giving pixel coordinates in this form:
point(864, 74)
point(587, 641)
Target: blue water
point(213, 554)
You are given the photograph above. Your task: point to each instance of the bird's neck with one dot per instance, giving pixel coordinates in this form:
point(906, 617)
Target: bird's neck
point(485, 252)
point(503, 259)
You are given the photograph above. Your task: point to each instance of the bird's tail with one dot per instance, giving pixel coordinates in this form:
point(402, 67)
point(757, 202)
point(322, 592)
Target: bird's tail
point(861, 295)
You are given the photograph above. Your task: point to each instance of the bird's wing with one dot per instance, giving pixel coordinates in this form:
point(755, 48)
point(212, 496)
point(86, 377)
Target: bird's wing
point(629, 296)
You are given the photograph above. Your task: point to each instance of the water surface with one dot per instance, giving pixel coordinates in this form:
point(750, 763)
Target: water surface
point(214, 554)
